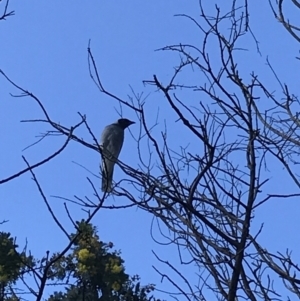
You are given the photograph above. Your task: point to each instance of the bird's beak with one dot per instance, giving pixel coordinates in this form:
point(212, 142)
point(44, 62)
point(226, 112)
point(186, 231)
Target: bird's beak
point(132, 122)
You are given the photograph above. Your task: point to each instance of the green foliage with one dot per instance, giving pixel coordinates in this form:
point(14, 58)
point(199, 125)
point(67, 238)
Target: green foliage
point(90, 271)
point(10, 260)
point(11, 265)
point(97, 270)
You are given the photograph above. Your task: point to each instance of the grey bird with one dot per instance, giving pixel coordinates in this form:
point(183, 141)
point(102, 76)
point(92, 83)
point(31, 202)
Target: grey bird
point(111, 143)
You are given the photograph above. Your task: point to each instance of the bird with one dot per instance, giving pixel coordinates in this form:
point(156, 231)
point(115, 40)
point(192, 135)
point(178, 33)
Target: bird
point(111, 143)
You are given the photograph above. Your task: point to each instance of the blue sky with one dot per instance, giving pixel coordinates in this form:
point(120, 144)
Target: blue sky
point(44, 50)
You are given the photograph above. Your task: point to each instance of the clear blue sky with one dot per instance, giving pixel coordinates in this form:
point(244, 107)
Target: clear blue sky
point(44, 50)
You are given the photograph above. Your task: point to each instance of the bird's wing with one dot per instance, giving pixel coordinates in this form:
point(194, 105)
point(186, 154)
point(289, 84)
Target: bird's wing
point(111, 143)
point(112, 140)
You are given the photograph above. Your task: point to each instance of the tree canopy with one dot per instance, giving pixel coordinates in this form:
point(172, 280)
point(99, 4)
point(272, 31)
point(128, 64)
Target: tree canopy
point(223, 149)
point(90, 270)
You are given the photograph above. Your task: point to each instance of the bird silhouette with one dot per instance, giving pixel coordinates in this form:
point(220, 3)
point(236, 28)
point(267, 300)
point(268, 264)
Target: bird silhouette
point(111, 143)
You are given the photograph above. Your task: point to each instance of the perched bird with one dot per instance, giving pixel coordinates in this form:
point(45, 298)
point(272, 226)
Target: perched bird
point(111, 143)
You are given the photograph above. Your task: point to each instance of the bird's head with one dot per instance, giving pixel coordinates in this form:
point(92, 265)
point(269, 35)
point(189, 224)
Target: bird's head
point(124, 123)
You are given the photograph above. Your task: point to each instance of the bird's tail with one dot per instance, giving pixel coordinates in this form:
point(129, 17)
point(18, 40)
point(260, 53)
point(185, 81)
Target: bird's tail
point(107, 174)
